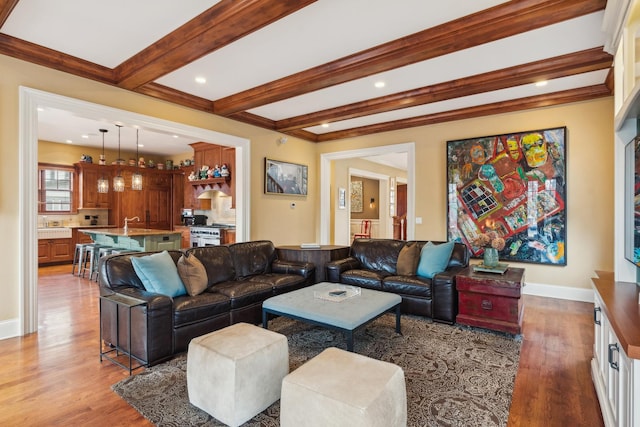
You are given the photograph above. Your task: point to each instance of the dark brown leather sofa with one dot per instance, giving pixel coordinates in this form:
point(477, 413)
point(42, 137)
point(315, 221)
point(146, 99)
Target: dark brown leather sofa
point(372, 264)
point(240, 277)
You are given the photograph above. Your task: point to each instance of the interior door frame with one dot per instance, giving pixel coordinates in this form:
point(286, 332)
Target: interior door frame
point(29, 102)
point(326, 182)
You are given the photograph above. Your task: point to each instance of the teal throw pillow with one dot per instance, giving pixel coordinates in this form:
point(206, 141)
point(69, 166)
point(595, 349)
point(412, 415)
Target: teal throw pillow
point(159, 274)
point(434, 259)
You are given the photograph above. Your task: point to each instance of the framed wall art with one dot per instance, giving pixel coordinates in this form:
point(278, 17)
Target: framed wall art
point(356, 196)
point(342, 198)
point(285, 178)
point(511, 186)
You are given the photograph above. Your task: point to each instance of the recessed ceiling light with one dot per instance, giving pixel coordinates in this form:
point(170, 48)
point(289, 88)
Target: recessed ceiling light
point(325, 125)
point(68, 141)
point(380, 84)
point(541, 83)
point(201, 80)
point(140, 145)
point(40, 109)
point(176, 136)
point(85, 136)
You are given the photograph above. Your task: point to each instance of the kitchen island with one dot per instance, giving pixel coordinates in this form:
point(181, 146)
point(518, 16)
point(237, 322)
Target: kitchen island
point(135, 239)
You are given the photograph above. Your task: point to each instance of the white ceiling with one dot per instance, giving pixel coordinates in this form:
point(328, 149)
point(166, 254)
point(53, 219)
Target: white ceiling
point(110, 33)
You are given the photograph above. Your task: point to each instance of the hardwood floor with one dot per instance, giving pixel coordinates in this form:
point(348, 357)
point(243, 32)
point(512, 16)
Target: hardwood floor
point(55, 377)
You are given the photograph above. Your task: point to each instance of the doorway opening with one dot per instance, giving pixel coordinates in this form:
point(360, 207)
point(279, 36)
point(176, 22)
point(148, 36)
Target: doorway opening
point(335, 222)
point(30, 101)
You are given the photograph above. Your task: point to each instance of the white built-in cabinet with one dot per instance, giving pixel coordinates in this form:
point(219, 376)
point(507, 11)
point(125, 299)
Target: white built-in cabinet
point(616, 375)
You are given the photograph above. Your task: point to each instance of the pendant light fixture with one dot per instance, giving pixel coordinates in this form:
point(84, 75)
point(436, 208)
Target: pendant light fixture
point(118, 180)
point(136, 178)
point(103, 183)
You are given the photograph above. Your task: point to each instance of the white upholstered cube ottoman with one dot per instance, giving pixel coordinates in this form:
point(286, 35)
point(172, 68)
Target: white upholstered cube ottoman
point(340, 388)
point(235, 373)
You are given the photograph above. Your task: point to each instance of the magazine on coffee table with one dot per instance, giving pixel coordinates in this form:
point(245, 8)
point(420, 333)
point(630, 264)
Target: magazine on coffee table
point(338, 293)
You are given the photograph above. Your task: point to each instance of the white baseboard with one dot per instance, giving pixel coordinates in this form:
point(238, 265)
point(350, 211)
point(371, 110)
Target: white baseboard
point(9, 329)
point(560, 292)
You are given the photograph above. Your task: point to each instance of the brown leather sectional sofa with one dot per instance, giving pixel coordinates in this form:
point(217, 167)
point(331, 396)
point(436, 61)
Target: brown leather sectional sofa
point(373, 264)
point(240, 277)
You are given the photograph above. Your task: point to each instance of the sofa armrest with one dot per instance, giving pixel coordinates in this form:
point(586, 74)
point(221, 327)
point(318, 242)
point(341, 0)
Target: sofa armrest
point(445, 295)
point(305, 269)
point(151, 325)
point(339, 266)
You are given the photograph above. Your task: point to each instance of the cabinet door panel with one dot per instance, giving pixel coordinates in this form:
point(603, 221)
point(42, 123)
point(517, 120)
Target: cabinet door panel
point(61, 250)
point(89, 197)
point(43, 251)
point(159, 208)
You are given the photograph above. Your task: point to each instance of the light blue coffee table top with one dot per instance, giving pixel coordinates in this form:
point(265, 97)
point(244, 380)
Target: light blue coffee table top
point(347, 314)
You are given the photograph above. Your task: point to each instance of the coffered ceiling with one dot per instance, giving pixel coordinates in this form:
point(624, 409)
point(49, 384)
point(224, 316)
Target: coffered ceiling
point(309, 68)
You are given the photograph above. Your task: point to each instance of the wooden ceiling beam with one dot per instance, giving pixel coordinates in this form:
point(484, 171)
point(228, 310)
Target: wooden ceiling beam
point(213, 29)
point(504, 20)
point(46, 57)
point(547, 69)
point(6, 7)
point(176, 97)
point(547, 100)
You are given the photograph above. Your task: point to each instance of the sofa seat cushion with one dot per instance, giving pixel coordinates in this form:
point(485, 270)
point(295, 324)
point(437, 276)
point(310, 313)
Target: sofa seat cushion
point(408, 285)
point(280, 283)
point(243, 293)
point(364, 278)
point(188, 309)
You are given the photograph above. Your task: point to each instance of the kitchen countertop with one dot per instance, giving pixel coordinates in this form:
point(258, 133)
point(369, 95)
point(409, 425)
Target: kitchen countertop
point(91, 226)
point(130, 232)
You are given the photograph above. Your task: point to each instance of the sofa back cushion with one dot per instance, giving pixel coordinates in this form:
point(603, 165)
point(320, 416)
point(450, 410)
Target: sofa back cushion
point(377, 254)
point(217, 263)
point(408, 259)
point(116, 271)
point(252, 258)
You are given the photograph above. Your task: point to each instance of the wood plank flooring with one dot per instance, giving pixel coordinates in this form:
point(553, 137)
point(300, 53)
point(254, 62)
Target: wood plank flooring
point(55, 377)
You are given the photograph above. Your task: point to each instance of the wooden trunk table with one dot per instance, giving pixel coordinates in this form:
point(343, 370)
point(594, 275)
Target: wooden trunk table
point(491, 300)
point(319, 256)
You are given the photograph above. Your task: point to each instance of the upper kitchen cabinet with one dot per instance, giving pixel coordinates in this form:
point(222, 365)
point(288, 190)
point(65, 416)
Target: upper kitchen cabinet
point(621, 24)
point(88, 175)
point(210, 156)
point(154, 205)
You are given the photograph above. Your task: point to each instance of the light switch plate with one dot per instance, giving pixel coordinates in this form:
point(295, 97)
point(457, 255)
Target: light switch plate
point(418, 220)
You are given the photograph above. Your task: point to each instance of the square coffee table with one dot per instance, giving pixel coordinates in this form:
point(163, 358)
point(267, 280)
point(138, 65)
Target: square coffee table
point(346, 316)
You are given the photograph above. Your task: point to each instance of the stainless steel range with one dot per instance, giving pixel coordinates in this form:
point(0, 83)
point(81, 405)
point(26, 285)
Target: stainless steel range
point(204, 235)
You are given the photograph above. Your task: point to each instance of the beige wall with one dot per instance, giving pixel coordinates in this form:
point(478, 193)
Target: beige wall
point(589, 180)
point(271, 216)
point(590, 165)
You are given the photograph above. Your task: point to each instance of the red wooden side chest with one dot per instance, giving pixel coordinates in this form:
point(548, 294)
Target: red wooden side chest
point(491, 301)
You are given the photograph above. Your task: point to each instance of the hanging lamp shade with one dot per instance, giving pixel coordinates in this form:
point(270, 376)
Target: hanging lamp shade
point(103, 183)
point(136, 178)
point(118, 180)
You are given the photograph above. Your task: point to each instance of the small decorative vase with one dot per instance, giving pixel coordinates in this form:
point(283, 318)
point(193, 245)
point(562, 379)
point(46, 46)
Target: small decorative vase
point(491, 257)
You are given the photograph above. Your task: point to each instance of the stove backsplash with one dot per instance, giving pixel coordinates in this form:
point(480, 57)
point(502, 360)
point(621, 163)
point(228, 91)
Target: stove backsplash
point(220, 212)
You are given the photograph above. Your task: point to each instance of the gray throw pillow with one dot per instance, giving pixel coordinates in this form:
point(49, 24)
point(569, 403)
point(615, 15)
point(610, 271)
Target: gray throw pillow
point(193, 274)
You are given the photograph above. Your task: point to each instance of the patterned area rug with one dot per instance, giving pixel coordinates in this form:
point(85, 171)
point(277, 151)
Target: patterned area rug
point(455, 376)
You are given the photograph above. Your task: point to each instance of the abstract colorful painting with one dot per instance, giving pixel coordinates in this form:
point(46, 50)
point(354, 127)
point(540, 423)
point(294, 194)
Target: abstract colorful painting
point(514, 185)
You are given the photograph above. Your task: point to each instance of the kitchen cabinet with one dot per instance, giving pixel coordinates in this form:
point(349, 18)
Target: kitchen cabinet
point(228, 236)
point(88, 175)
point(615, 367)
point(185, 235)
point(205, 154)
point(55, 251)
point(153, 205)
